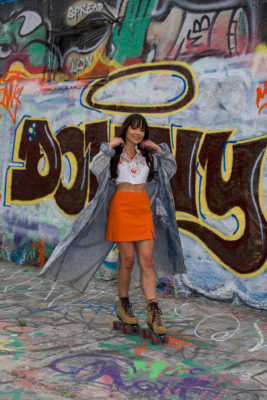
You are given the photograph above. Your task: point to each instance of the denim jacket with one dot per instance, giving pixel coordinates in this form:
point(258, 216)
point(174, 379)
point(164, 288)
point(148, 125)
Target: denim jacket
point(80, 253)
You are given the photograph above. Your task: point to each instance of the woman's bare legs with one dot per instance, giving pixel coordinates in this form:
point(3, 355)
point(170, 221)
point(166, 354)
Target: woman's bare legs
point(145, 256)
point(126, 250)
point(124, 307)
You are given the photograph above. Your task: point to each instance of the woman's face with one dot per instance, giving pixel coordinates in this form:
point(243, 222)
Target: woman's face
point(135, 135)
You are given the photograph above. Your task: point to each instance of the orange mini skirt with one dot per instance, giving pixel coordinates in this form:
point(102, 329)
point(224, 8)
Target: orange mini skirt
point(130, 218)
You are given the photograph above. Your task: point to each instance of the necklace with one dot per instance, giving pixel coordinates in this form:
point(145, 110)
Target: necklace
point(133, 163)
point(129, 156)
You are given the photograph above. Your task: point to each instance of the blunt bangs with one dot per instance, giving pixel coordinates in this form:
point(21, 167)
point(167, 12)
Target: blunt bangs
point(138, 122)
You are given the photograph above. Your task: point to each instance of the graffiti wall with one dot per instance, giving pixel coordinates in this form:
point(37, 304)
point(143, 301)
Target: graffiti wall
point(70, 71)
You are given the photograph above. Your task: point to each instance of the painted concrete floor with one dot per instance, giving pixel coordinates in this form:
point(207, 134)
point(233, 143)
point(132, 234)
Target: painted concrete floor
point(60, 345)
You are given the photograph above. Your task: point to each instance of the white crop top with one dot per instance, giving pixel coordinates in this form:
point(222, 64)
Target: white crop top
point(133, 171)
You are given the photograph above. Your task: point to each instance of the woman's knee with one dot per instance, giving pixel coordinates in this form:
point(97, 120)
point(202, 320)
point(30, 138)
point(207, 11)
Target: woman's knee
point(127, 262)
point(147, 262)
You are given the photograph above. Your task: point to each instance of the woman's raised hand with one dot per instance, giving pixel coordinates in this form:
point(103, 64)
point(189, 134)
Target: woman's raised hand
point(148, 144)
point(117, 141)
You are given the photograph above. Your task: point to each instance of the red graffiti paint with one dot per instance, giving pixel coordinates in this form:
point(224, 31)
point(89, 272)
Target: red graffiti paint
point(10, 98)
point(261, 95)
point(39, 247)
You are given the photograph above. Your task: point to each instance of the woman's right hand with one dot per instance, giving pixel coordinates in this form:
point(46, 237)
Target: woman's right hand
point(117, 141)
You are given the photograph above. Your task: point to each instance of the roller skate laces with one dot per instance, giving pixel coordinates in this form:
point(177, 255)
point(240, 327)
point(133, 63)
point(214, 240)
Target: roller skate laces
point(154, 318)
point(124, 311)
point(157, 330)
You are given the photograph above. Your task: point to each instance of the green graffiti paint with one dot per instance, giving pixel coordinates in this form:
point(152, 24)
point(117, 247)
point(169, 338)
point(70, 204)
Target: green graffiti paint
point(178, 370)
point(16, 395)
point(155, 368)
point(202, 370)
point(121, 348)
point(132, 30)
point(48, 249)
point(30, 42)
point(10, 342)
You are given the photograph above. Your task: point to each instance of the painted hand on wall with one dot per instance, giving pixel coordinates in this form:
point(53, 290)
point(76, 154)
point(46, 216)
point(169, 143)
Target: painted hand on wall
point(129, 36)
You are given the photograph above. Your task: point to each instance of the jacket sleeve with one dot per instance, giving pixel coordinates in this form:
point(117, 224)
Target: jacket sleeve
point(166, 160)
point(101, 161)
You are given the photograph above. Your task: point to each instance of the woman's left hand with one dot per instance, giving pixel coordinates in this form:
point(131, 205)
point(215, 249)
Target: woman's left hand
point(148, 144)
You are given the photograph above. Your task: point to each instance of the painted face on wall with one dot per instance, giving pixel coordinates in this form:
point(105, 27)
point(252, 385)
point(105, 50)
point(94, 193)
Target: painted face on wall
point(23, 38)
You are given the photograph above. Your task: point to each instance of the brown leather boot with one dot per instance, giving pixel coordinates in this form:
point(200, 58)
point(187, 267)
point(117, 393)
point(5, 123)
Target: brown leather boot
point(154, 317)
point(124, 311)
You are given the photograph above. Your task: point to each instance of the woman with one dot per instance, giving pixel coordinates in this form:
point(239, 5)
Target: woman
point(132, 207)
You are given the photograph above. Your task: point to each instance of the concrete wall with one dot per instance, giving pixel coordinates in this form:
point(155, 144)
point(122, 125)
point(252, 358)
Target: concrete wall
point(69, 73)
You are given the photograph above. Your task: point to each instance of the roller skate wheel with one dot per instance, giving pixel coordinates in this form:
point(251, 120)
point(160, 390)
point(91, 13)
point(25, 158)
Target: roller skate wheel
point(154, 339)
point(127, 329)
point(146, 333)
point(165, 339)
point(116, 325)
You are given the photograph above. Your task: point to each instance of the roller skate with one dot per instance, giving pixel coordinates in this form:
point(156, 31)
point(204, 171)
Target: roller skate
point(157, 330)
point(128, 322)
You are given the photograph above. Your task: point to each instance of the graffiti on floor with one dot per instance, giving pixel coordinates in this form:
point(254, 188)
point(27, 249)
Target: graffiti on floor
point(58, 337)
